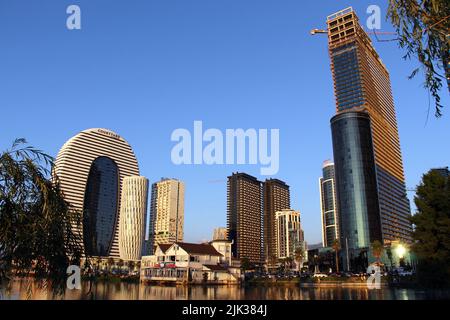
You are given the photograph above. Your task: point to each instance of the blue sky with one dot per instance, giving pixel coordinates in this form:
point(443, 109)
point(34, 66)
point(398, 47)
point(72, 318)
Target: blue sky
point(145, 68)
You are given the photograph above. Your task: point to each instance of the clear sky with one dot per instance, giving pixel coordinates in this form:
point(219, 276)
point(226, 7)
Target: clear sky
point(146, 68)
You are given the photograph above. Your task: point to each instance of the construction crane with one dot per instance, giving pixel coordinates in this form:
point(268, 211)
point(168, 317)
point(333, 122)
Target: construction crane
point(316, 31)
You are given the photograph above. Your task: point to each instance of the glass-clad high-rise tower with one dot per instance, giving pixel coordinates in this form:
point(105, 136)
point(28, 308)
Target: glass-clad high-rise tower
point(362, 85)
point(328, 205)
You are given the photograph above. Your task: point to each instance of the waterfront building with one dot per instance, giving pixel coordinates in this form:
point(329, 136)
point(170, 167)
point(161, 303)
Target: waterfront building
point(133, 214)
point(223, 246)
point(220, 234)
point(276, 197)
point(244, 217)
point(181, 262)
point(356, 180)
point(328, 205)
point(90, 168)
point(166, 212)
point(370, 207)
point(288, 233)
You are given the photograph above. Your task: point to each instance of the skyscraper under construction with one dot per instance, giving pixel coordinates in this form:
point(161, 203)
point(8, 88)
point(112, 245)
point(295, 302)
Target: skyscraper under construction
point(370, 182)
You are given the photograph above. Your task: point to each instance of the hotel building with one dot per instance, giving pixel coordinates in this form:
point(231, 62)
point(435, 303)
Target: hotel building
point(133, 214)
point(370, 182)
point(90, 168)
point(220, 234)
point(328, 205)
point(244, 217)
point(182, 262)
point(288, 233)
point(276, 198)
point(166, 212)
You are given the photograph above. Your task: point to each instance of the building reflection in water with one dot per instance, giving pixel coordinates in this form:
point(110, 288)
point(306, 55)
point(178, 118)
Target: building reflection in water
point(32, 290)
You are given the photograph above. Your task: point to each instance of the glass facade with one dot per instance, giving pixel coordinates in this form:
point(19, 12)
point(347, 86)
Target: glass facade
point(356, 182)
point(347, 80)
point(100, 207)
point(362, 84)
point(330, 223)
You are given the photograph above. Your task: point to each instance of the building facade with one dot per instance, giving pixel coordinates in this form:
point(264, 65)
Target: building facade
point(362, 84)
point(356, 181)
point(187, 263)
point(328, 205)
point(220, 234)
point(244, 217)
point(276, 197)
point(166, 212)
point(288, 233)
point(90, 168)
point(133, 214)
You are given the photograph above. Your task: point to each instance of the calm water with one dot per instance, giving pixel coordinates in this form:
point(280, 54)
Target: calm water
point(126, 291)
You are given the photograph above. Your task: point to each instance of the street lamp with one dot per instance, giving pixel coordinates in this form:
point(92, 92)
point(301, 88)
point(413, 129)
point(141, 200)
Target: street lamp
point(400, 251)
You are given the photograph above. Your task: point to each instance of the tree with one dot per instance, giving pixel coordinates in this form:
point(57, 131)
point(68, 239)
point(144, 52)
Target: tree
point(299, 256)
point(246, 264)
point(273, 260)
point(377, 250)
point(110, 263)
point(99, 263)
point(130, 265)
point(389, 255)
point(432, 229)
point(36, 223)
point(336, 247)
point(423, 28)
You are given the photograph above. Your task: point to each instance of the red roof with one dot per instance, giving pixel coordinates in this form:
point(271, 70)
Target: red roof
point(195, 248)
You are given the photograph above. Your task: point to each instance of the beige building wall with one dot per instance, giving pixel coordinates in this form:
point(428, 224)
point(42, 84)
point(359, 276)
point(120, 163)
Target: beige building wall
point(133, 209)
point(166, 212)
point(74, 161)
point(288, 233)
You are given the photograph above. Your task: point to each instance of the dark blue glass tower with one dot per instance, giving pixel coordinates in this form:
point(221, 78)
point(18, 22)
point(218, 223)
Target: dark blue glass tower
point(100, 207)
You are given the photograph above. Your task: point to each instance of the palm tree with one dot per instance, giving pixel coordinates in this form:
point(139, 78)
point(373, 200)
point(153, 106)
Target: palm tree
point(120, 264)
point(273, 260)
point(288, 262)
point(299, 256)
point(336, 247)
point(389, 255)
point(99, 263)
point(130, 265)
point(111, 263)
point(377, 250)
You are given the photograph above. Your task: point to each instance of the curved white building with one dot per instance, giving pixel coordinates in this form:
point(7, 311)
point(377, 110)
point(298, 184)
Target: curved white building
point(133, 209)
point(90, 168)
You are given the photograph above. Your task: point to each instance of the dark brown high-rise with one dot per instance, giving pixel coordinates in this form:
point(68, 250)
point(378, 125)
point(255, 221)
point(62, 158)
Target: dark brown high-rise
point(244, 217)
point(276, 198)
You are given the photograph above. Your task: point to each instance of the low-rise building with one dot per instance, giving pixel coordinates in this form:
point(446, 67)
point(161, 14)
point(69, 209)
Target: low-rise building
point(183, 262)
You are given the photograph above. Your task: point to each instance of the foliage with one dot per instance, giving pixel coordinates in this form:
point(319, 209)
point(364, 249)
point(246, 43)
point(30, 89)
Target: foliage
point(389, 255)
point(432, 229)
point(422, 27)
point(36, 235)
point(377, 249)
point(336, 247)
point(246, 264)
point(299, 255)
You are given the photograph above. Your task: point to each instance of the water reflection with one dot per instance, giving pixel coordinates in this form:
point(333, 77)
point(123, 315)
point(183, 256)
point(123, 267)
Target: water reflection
point(25, 289)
